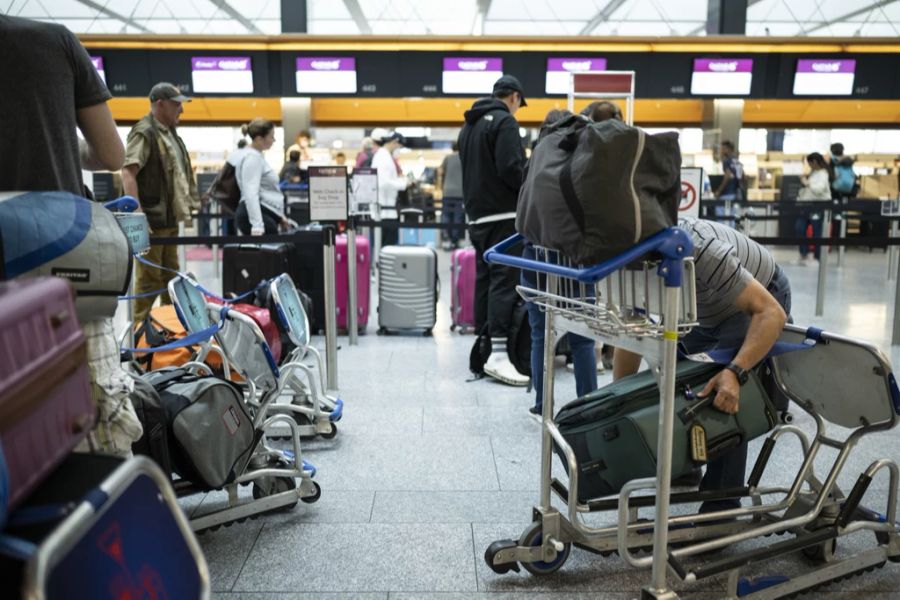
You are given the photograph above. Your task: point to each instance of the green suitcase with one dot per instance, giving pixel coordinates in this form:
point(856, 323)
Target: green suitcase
point(613, 431)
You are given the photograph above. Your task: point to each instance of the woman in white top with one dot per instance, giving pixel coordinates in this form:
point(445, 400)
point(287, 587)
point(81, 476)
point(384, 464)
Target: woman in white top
point(816, 187)
point(390, 181)
point(262, 202)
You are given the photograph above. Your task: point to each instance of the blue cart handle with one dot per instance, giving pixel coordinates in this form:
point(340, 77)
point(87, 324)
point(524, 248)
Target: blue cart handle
point(125, 204)
point(673, 243)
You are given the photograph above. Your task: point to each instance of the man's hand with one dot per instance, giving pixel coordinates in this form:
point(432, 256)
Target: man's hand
point(727, 389)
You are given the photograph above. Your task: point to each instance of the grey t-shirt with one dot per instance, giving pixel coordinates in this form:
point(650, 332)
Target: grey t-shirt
point(46, 75)
point(725, 261)
point(452, 169)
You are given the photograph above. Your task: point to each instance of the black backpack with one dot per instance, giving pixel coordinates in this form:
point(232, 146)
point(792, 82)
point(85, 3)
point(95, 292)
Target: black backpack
point(518, 344)
point(224, 189)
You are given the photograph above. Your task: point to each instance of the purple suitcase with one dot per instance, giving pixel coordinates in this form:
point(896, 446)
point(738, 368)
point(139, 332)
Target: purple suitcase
point(462, 297)
point(363, 266)
point(45, 394)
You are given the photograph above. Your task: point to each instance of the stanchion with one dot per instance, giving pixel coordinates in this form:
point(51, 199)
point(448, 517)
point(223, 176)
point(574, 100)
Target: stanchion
point(892, 252)
point(823, 265)
point(352, 275)
point(215, 248)
point(843, 235)
point(182, 250)
point(895, 335)
point(330, 309)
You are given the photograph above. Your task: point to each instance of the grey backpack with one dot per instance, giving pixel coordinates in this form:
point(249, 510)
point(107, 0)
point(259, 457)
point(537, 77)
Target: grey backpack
point(210, 433)
point(593, 190)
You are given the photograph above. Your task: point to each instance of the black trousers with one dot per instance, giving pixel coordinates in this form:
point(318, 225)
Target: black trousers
point(495, 285)
point(270, 219)
point(390, 236)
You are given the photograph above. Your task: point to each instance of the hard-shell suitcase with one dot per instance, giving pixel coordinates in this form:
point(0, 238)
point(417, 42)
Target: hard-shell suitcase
point(363, 265)
point(124, 537)
point(407, 288)
point(613, 431)
point(462, 289)
point(267, 325)
point(45, 394)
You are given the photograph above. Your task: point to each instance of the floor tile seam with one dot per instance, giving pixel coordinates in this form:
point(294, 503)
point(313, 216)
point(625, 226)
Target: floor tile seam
point(247, 557)
point(494, 458)
point(372, 508)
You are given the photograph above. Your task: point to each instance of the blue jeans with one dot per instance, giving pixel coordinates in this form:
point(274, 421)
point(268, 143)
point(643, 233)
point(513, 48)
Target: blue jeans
point(452, 212)
point(728, 470)
point(582, 354)
point(814, 219)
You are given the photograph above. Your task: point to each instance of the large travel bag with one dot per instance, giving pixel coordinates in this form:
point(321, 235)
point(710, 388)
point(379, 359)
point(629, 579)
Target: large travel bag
point(209, 430)
point(64, 235)
point(118, 532)
point(363, 265)
point(45, 395)
point(593, 190)
point(613, 431)
point(407, 288)
point(462, 289)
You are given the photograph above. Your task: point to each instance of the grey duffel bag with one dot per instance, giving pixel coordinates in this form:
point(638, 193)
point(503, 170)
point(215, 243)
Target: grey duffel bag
point(210, 433)
point(592, 190)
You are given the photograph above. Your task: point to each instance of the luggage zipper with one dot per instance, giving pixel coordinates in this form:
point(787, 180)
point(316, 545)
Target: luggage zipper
point(634, 195)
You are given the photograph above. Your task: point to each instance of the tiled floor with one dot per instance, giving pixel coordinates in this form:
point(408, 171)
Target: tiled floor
point(429, 468)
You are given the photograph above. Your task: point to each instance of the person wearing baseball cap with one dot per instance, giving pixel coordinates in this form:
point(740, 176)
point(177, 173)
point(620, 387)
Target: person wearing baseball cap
point(159, 174)
point(493, 158)
point(390, 183)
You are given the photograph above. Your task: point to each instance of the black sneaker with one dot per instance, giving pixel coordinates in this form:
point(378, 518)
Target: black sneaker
point(537, 412)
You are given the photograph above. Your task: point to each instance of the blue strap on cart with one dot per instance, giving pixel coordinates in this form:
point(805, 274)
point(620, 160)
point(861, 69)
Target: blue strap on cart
point(673, 244)
point(724, 356)
point(205, 291)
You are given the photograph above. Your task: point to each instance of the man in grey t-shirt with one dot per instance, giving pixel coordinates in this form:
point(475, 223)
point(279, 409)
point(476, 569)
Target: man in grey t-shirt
point(743, 302)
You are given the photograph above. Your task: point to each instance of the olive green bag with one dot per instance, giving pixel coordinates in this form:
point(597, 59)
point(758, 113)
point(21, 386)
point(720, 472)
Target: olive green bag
point(613, 431)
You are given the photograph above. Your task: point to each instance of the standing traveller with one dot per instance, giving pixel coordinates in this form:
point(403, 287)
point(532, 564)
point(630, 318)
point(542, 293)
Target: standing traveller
point(452, 210)
point(45, 63)
point(816, 187)
point(158, 173)
point(732, 185)
point(390, 182)
point(492, 157)
point(261, 209)
point(843, 177)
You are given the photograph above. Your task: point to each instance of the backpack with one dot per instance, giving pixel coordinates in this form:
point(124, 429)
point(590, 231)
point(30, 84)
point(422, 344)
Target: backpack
point(741, 188)
point(225, 190)
point(844, 179)
point(518, 344)
point(593, 190)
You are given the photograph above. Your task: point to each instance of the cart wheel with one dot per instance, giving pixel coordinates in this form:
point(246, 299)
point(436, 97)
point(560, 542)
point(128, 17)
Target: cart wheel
point(533, 536)
point(492, 551)
point(318, 494)
point(269, 486)
point(331, 433)
point(821, 553)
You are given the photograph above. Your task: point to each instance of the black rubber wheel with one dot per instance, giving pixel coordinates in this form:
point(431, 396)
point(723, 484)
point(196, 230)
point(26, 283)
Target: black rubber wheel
point(269, 486)
point(821, 553)
point(315, 496)
point(492, 551)
point(533, 536)
point(331, 433)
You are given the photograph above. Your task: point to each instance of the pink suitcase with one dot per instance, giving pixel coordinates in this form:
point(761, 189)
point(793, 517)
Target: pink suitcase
point(363, 263)
point(45, 394)
point(462, 297)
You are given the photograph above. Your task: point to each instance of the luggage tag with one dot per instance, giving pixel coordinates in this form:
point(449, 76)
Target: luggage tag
point(696, 432)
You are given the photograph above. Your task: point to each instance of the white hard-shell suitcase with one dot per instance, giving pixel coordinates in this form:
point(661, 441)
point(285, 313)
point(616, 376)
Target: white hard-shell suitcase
point(407, 288)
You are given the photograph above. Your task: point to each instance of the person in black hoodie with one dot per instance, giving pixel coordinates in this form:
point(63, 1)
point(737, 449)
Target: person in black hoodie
point(492, 156)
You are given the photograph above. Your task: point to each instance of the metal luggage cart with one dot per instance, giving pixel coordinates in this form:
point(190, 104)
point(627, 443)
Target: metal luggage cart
point(643, 304)
point(280, 477)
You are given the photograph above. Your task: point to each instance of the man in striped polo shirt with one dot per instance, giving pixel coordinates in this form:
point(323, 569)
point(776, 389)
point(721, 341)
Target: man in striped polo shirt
point(743, 302)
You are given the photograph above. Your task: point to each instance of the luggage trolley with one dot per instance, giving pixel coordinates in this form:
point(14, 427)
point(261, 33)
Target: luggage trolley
point(617, 304)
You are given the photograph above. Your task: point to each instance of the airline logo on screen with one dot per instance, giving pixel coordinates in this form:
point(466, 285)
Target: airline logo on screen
point(98, 64)
point(222, 74)
point(824, 77)
point(326, 75)
point(722, 76)
point(558, 69)
point(471, 75)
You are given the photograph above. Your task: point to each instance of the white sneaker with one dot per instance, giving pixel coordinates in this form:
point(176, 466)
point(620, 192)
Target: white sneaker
point(499, 367)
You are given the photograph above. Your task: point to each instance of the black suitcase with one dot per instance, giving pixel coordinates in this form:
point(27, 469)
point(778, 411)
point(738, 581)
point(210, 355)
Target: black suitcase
point(245, 265)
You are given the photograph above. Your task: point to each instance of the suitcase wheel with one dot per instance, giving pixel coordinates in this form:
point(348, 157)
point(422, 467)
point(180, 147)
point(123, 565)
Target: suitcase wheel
point(315, 495)
point(493, 550)
point(427, 333)
point(533, 536)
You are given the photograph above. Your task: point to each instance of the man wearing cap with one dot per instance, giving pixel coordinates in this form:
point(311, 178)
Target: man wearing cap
point(493, 158)
point(390, 183)
point(158, 173)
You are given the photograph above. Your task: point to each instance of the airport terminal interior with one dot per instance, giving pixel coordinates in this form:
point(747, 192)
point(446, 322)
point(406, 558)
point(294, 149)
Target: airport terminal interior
point(282, 453)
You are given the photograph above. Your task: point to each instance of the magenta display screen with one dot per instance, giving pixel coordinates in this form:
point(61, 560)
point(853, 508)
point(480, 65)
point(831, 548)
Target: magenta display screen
point(326, 75)
point(824, 77)
point(722, 76)
point(98, 64)
point(222, 74)
point(471, 75)
point(558, 70)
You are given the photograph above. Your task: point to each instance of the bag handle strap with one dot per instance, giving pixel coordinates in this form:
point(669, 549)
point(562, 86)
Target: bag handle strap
point(566, 184)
